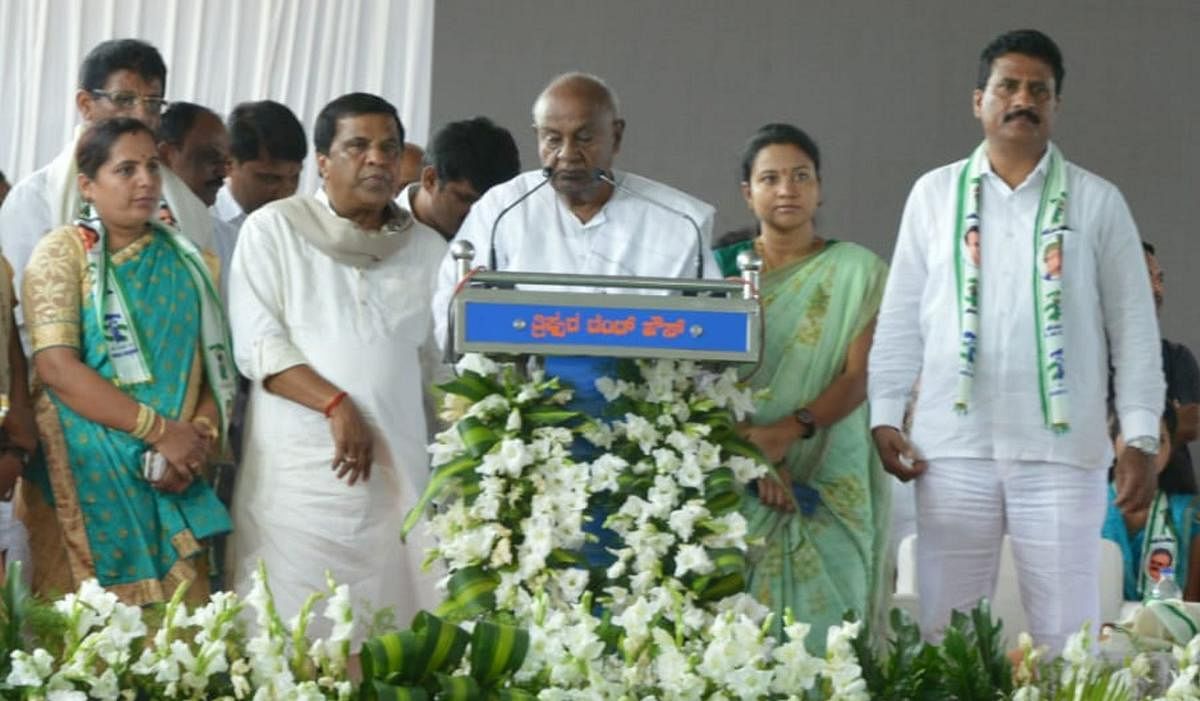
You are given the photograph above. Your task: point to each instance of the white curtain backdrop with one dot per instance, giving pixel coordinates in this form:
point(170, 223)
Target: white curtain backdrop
point(302, 53)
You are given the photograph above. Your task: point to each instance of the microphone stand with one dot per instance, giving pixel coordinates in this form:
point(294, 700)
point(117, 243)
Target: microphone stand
point(602, 175)
point(546, 173)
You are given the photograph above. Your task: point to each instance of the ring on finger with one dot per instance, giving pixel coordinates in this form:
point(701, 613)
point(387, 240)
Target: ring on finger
point(350, 458)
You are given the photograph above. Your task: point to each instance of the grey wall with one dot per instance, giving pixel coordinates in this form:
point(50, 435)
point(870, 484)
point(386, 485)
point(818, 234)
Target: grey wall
point(884, 87)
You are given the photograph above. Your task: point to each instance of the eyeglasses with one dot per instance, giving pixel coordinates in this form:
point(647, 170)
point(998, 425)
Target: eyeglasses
point(126, 99)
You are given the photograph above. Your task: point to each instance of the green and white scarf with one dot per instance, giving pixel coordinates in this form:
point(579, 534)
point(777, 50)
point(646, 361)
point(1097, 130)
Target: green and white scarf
point(1046, 278)
point(1159, 535)
point(126, 349)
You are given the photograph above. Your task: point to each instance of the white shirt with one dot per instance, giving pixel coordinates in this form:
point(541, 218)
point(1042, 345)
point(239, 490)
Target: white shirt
point(628, 236)
point(364, 330)
point(227, 217)
point(1106, 294)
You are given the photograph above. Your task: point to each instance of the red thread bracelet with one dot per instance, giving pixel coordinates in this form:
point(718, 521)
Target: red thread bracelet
point(337, 399)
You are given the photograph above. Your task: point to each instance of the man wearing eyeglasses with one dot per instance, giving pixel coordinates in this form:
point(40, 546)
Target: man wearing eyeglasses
point(118, 78)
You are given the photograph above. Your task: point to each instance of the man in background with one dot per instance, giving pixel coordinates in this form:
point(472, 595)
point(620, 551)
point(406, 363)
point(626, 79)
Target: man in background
point(465, 159)
point(118, 78)
point(192, 141)
point(267, 150)
point(1183, 393)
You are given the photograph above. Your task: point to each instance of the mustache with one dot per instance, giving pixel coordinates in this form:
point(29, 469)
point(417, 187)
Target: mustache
point(1023, 112)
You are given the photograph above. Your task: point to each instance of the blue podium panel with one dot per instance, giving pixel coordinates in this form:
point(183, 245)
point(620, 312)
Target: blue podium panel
point(613, 325)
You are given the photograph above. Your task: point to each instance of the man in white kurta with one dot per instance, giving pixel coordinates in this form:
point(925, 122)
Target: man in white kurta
point(330, 314)
point(119, 78)
point(996, 459)
point(577, 222)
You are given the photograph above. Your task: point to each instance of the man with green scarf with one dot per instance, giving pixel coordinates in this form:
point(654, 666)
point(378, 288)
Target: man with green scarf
point(1012, 339)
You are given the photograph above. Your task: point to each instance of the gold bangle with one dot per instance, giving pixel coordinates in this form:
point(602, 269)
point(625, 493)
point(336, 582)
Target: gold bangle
point(161, 428)
point(147, 418)
point(207, 425)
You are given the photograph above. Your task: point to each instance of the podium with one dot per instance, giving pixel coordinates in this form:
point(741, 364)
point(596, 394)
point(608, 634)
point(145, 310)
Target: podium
point(581, 325)
point(600, 316)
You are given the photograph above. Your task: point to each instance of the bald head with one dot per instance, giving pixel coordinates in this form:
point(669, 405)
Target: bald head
point(577, 87)
point(578, 133)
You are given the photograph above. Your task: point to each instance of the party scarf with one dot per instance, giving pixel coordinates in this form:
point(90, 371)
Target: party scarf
point(1049, 226)
point(126, 349)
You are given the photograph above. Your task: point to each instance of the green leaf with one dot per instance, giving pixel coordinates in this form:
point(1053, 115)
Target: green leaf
point(496, 650)
point(444, 643)
point(443, 475)
point(376, 690)
point(476, 435)
point(559, 557)
point(549, 415)
point(471, 385)
point(395, 657)
point(458, 688)
point(469, 594)
point(723, 492)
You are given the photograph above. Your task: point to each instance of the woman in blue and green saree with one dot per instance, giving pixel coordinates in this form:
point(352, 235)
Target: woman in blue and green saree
point(820, 521)
point(133, 379)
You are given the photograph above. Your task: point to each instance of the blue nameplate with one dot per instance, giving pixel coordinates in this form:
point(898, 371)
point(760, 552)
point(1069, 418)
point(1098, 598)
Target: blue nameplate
point(614, 325)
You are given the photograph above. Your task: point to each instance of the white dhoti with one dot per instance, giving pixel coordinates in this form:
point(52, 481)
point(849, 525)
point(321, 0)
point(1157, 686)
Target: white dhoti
point(1052, 514)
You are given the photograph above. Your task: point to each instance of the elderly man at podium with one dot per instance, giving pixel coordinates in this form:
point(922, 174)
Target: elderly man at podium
point(591, 219)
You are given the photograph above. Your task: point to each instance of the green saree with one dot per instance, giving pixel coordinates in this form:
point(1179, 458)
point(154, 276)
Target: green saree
point(137, 541)
point(827, 557)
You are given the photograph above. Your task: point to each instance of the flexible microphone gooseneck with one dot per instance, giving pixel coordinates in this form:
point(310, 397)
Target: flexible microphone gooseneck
point(546, 173)
point(601, 174)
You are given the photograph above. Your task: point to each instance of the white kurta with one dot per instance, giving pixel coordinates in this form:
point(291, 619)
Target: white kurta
point(628, 236)
point(1108, 317)
point(364, 330)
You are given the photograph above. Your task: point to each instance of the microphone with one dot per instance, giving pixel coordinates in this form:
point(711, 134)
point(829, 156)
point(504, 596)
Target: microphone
point(601, 174)
point(546, 173)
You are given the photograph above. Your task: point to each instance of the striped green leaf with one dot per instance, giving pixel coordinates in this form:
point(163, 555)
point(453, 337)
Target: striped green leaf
point(549, 415)
point(394, 657)
point(443, 475)
point(444, 643)
point(496, 650)
point(469, 594)
point(458, 688)
point(376, 690)
point(471, 385)
point(722, 492)
point(475, 434)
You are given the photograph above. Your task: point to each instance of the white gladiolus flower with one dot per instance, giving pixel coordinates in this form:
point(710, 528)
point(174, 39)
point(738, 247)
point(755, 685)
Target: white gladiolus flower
point(689, 474)
point(66, 695)
point(692, 558)
point(513, 423)
point(30, 669)
point(745, 469)
point(476, 362)
point(642, 432)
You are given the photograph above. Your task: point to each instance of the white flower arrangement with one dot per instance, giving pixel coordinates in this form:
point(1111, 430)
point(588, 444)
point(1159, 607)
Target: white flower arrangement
point(521, 482)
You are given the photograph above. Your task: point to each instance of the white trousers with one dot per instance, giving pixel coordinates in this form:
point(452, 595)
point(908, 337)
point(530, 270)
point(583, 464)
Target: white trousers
point(1052, 513)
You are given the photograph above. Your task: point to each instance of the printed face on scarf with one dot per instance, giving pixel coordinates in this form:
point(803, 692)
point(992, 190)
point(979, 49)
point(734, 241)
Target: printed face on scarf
point(1018, 104)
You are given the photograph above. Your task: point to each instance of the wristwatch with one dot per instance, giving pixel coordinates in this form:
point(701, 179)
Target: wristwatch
point(1144, 444)
point(805, 418)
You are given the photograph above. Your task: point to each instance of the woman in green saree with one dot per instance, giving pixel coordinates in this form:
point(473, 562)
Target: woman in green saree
point(821, 520)
point(133, 378)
